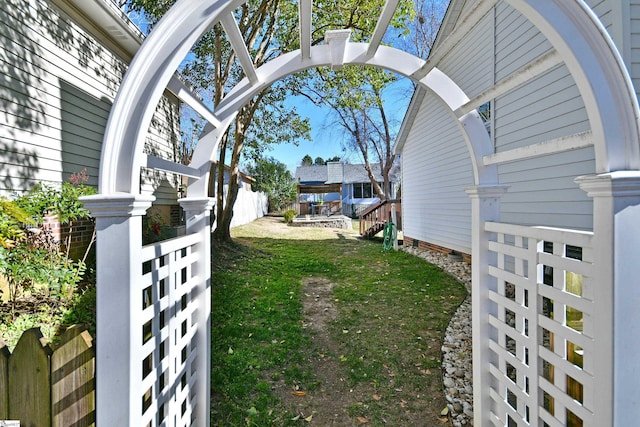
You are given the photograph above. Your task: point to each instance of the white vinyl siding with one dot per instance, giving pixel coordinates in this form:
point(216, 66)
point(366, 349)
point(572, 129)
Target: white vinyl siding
point(56, 88)
point(547, 107)
point(543, 191)
point(635, 44)
point(476, 50)
point(547, 194)
point(436, 168)
point(517, 41)
point(603, 9)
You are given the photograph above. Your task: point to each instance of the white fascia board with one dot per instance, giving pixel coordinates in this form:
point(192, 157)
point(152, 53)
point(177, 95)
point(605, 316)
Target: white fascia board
point(458, 32)
point(449, 20)
point(109, 18)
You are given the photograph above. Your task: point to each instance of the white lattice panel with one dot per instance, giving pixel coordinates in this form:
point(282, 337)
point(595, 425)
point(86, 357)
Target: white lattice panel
point(168, 331)
point(542, 327)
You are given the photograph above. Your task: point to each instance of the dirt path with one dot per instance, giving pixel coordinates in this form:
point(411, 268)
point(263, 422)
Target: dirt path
point(333, 401)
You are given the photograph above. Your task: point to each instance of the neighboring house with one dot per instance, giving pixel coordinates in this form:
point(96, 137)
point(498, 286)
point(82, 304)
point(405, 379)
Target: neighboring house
point(249, 206)
point(345, 187)
point(436, 164)
point(61, 64)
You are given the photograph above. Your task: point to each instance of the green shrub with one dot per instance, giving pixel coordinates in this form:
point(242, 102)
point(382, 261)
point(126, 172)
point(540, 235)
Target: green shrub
point(289, 215)
point(12, 218)
point(30, 255)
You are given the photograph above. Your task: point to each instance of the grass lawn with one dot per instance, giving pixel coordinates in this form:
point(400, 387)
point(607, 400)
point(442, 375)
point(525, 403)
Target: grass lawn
point(317, 327)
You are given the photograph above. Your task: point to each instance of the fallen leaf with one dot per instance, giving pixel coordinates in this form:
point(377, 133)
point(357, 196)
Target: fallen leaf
point(296, 418)
point(363, 420)
point(443, 420)
point(445, 411)
point(230, 351)
point(309, 418)
point(299, 393)
point(376, 397)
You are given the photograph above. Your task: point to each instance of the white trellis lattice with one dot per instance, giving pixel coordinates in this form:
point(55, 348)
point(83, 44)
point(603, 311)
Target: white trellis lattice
point(167, 349)
point(542, 338)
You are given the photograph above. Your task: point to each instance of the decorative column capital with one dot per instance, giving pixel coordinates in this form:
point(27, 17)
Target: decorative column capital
point(612, 184)
point(117, 204)
point(197, 204)
point(487, 191)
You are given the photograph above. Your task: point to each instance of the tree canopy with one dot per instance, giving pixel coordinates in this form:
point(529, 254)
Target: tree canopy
point(273, 178)
point(269, 29)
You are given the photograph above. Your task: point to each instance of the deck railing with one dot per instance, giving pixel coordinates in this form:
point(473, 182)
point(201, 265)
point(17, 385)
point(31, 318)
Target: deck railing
point(374, 217)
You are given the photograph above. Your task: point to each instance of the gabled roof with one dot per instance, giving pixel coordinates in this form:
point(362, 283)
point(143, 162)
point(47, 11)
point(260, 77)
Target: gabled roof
point(311, 174)
point(352, 173)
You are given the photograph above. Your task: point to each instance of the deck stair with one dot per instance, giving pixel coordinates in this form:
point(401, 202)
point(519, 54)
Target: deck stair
point(373, 219)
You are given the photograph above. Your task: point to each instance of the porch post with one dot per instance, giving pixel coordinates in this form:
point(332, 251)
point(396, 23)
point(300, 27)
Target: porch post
point(198, 221)
point(485, 206)
point(616, 227)
point(118, 256)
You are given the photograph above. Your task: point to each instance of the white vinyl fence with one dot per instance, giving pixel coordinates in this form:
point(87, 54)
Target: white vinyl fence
point(249, 206)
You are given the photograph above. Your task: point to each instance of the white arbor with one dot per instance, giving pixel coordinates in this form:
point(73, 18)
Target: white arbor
point(154, 301)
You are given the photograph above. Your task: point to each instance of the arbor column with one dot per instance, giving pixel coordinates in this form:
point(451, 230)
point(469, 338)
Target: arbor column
point(198, 221)
point(485, 206)
point(118, 256)
point(616, 245)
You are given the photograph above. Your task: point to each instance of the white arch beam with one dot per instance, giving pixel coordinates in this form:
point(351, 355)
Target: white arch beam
point(390, 7)
point(388, 58)
point(569, 25)
point(539, 66)
point(305, 8)
point(189, 97)
point(145, 81)
point(232, 30)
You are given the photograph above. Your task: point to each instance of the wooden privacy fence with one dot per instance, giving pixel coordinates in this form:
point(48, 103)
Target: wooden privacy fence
point(43, 385)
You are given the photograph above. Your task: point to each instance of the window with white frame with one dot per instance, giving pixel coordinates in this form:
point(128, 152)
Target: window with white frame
point(362, 190)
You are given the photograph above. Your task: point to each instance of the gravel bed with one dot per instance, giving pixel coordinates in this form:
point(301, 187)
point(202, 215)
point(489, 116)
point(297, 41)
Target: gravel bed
point(456, 347)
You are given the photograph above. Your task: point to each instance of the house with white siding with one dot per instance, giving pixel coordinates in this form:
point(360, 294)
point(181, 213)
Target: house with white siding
point(61, 65)
point(542, 191)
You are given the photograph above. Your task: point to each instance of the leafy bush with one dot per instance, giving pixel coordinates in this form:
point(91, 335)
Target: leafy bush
point(273, 178)
point(289, 215)
point(11, 220)
point(32, 256)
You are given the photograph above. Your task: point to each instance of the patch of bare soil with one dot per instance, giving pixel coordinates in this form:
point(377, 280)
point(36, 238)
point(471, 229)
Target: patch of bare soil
point(329, 403)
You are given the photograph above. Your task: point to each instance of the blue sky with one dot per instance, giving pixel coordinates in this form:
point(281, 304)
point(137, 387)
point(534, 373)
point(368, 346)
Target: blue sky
point(327, 137)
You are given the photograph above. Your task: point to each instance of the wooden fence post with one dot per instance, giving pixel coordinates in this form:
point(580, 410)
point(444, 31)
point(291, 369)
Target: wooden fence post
point(29, 381)
point(73, 380)
point(4, 380)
